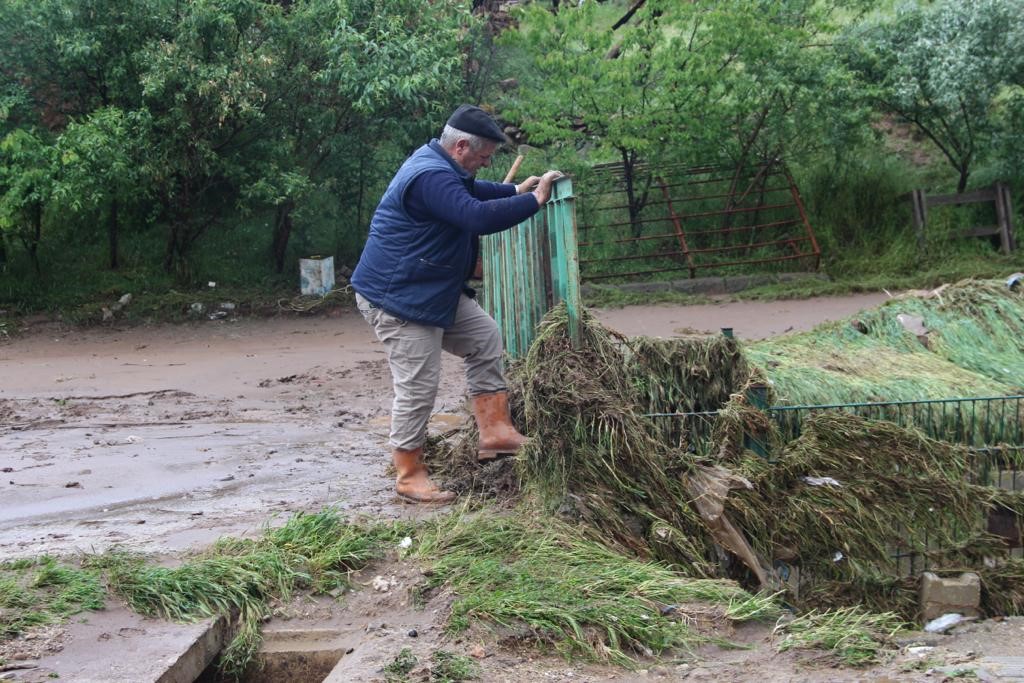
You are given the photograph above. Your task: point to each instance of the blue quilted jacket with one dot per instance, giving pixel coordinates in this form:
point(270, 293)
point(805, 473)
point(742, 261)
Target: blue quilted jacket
point(415, 267)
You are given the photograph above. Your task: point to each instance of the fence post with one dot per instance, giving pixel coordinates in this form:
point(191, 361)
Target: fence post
point(561, 224)
point(919, 207)
point(757, 397)
point(1004, 217)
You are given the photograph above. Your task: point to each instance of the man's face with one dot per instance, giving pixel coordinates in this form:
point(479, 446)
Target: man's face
point(473, 160)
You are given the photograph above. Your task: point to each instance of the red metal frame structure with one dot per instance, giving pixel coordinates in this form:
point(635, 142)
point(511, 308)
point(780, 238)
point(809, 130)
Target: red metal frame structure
point(705, 219)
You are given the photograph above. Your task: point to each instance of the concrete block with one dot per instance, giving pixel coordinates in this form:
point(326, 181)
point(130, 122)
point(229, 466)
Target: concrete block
point(956, 594)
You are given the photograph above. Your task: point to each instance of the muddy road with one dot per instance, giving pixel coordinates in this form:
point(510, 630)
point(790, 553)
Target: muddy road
point(165, 438)
point(162, 439)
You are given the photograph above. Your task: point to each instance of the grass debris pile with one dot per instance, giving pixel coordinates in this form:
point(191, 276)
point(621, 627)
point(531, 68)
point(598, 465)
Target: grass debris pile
point(595, 457)
point(844, 504)
point(541, 582)
point(849, 498)
point(965, 339)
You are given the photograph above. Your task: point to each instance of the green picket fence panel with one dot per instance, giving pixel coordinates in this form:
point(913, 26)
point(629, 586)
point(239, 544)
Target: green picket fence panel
point(531, 268)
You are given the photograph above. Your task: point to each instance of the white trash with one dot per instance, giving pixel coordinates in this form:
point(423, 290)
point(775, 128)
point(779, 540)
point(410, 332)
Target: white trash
point(821, 481)
point(944, 623)
point(316, 275)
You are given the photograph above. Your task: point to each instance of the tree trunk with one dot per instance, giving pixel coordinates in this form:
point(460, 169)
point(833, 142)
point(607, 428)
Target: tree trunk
point(112, 234)
point(172, 252)
point(635, 199)
point(37, 234)
point(961, 185)
point(282, 232)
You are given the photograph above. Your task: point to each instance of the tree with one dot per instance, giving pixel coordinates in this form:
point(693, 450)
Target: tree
point(75, 57)
point(66, 63)
point(251, 101)
point(789, 94)
point(99, 168)
point(194, 114)
point(27, 161)
point(348, 75)
point(728, 81)
point(942, 68)
point(622, 96)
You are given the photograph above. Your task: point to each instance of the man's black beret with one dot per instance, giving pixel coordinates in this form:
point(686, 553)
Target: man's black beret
point(470, 119)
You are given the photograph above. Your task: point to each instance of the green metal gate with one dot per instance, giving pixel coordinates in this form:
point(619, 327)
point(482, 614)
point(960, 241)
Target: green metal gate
point(531, 268)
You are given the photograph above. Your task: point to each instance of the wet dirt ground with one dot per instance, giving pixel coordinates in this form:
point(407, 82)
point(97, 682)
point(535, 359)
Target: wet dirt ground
point(162, 439)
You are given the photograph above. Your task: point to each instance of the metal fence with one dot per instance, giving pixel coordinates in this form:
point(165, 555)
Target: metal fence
point(641, 221)
point(531, 268)
point(983, 423)
point(992, 427)
point(977, 422)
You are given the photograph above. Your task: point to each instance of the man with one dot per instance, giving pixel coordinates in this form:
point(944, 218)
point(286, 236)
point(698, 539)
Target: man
point(410, 285)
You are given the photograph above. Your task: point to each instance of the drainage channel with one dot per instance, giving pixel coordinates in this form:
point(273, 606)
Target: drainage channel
point(285, 656)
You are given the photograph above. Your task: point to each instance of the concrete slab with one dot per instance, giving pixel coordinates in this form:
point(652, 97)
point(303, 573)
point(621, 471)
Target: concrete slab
point(1006, 668)
point(119, 646)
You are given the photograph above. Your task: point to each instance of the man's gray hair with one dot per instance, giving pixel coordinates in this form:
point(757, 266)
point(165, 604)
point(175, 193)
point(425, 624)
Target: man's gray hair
point(449, 136)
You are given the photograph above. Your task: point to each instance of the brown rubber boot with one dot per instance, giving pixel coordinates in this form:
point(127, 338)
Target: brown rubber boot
point(412, 483)
point(498, 436)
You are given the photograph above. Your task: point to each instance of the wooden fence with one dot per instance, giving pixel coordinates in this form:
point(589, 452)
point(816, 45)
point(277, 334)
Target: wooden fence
point(999, 194)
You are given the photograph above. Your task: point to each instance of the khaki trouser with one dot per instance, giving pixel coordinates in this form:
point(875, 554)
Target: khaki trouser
point(414, 354)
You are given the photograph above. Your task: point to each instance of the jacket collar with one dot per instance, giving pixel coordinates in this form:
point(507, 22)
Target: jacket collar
point(436, 147)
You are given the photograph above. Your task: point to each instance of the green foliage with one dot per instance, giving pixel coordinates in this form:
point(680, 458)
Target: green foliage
point(44, 591)
point(97, 159)
point(544, 582)
point(854, 637)
point(693, 82)
point(943, 67)
point(853, 201)
point(25, 178)
point(185, 117)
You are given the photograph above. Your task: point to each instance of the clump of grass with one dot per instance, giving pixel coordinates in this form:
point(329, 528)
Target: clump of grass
point(681, 375)
point(238, 586)
point(892, 489)
point(853, 636)
point(545, 583)
point(1002, 588)
point(448, 667)
point(43, 591)
point(239, 579)
point(398, 669)
point(753, 607)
